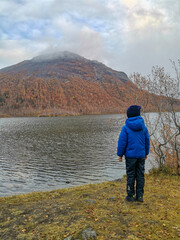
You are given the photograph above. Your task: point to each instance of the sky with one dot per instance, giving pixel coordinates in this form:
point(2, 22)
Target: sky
point(126, 35)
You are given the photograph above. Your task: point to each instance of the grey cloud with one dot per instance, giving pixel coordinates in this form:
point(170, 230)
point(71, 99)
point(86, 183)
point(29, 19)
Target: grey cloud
point(26, 9)
point(83, 41)
point(156, 13)
point(171, 8)
point(88, 8)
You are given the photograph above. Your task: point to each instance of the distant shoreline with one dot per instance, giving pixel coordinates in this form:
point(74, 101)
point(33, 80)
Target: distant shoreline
point(55, 115)
point(64, 115)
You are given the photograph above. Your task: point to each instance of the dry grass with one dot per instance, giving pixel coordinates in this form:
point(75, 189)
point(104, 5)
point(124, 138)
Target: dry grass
point(62, 213)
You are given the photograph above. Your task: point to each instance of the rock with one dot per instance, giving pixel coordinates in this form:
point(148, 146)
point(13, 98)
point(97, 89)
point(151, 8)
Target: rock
point(68, 182)
point(90, 201)
point(85, 195)
point(89, 233)
point(68, 238)
point(118, 180)
point(112, 198)
point(162, 196)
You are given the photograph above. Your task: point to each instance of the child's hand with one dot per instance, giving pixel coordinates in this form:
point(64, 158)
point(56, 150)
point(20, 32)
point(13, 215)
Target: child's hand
point(145, 157)
point(120, 158)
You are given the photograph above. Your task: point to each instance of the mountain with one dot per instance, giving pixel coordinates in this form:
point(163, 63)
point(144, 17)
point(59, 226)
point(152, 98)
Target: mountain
point(63, 83)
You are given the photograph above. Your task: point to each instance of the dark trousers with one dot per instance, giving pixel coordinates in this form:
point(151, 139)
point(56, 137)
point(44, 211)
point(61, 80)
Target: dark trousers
point(135, 172)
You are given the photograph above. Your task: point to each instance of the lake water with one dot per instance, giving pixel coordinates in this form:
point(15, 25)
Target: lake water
point(38, 154)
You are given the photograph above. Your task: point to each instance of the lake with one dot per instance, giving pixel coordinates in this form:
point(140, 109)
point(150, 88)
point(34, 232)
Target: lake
point(39, 154)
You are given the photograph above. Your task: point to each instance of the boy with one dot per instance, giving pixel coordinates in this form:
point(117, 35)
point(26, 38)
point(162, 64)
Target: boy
point(134, 143)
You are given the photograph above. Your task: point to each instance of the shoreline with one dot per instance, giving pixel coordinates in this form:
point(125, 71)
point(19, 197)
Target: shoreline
point(63, 188)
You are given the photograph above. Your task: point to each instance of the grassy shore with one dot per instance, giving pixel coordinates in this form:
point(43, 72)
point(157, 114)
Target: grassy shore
point(66, 213)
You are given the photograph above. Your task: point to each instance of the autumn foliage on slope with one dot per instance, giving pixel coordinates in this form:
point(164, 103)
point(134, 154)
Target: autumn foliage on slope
point(65, 84)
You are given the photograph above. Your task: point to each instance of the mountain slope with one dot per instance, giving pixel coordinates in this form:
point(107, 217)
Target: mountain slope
point(64, 65)
point(63, 83)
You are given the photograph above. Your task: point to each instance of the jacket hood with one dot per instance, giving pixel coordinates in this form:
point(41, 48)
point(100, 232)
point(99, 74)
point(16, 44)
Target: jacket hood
point(135, 123)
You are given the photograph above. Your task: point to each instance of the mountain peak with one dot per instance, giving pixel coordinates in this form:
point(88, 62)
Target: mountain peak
point(57, 55)
point(63, 65)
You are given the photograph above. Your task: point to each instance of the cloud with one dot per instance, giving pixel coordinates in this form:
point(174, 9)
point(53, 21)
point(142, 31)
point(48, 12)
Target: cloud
point(12, 52)
point(130, 3)
point(149, 35)
point(128, 35)
point(79, 39)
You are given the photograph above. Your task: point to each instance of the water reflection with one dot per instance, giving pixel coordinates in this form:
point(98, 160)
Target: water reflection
point(48, 153)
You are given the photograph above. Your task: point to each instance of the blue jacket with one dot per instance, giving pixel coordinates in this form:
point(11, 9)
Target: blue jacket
point(134, 139)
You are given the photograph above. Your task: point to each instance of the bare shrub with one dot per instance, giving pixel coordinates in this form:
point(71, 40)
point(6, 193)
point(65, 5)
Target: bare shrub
point(164, 90)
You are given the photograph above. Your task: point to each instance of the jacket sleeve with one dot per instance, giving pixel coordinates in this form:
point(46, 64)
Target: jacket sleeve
point(122, 142)
point(147, 142)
